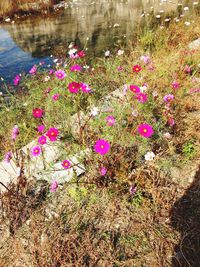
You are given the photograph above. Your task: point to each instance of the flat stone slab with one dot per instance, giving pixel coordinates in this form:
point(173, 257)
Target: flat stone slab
point(195, 44)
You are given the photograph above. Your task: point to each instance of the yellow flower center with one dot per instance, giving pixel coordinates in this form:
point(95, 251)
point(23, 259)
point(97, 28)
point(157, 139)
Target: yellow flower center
point(145, 130)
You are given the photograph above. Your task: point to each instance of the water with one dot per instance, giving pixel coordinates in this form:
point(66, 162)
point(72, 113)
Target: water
point(97, 25)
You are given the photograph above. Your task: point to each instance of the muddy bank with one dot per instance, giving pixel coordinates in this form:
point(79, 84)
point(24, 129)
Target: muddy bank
point(10, 9)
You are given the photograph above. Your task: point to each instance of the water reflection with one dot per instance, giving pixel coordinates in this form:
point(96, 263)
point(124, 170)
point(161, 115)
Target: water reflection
point(100, 25)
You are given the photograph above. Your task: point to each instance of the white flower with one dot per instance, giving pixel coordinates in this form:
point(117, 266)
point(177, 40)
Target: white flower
point(120, 52)
point(134, 113)
point(107, 53)
point(94, 111)
point(71, 45)
point(149, 156)
point(7, 20)
point(25, 104)
point(72, 51)
point(167, 135)
point(116, 25)
point(187, 23)
point(186, 8)
point(155, 93)
point(47, 78)
point(143, 89)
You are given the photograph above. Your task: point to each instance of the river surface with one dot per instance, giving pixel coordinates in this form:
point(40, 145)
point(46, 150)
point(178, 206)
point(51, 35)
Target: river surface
point(98, 25)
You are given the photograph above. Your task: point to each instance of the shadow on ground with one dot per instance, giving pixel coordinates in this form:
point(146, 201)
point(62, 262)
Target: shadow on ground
point(185, 218)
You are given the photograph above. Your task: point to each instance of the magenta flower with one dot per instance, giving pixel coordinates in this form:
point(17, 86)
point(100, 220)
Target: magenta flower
point(36, 151)
point(187, 69)
point(15, 132)
point(76, 68)
point(119, 68)
point(33, 70)
point(132, 190)
point(135, 89)
point(51, 72)
point(175, 85)
point(145, 130)
point(168, 98)
point(66, 164)
point(41, 128)
point(85, 88)
point(137, 68)
point(52, 133)
point(16, 80)
point(74, 87)
point(110, 120)
point(55, 97)
point(103, 171)
point(42, 140)
point(81, 53)
point(60, 74)
point(102, 147)
point(141, 97)
point(38, 112)
point(8, 156)
point(54, 186)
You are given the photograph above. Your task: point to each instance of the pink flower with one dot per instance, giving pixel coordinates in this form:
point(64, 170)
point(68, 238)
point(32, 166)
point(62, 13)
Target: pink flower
point(51, 72)
point(145, 59)
point(16, 80)
point(81, 53)
point(55, 97)
point(103, 171)
point(171, 121)
point(8, 156)
point(119, 68)
point(151, 67)
point(48, 90)
point(36, 151)
point(187, 69)
point(137, 68)
point(60, 74)
point(135, 89)
point(33, 70)
point(38, 112)
point(145, 130)
point(141, 97)
point(102, 147)
point(132, 190)
point(52, 134)
point(175, 85)
point(74, 56)
point(110, 120)
point(66, 164)
point(41, 128)
point(74, 87)
point(85, 88)
point(42, 140)
point(15, 132)
point(168, 98)
point(76, 68)
point(54, 186)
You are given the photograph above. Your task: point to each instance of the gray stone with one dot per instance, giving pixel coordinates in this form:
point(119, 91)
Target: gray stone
point(194, 44)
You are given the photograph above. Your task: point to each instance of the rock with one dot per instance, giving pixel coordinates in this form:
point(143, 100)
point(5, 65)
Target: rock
point(194, 44)
point(184, 176)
